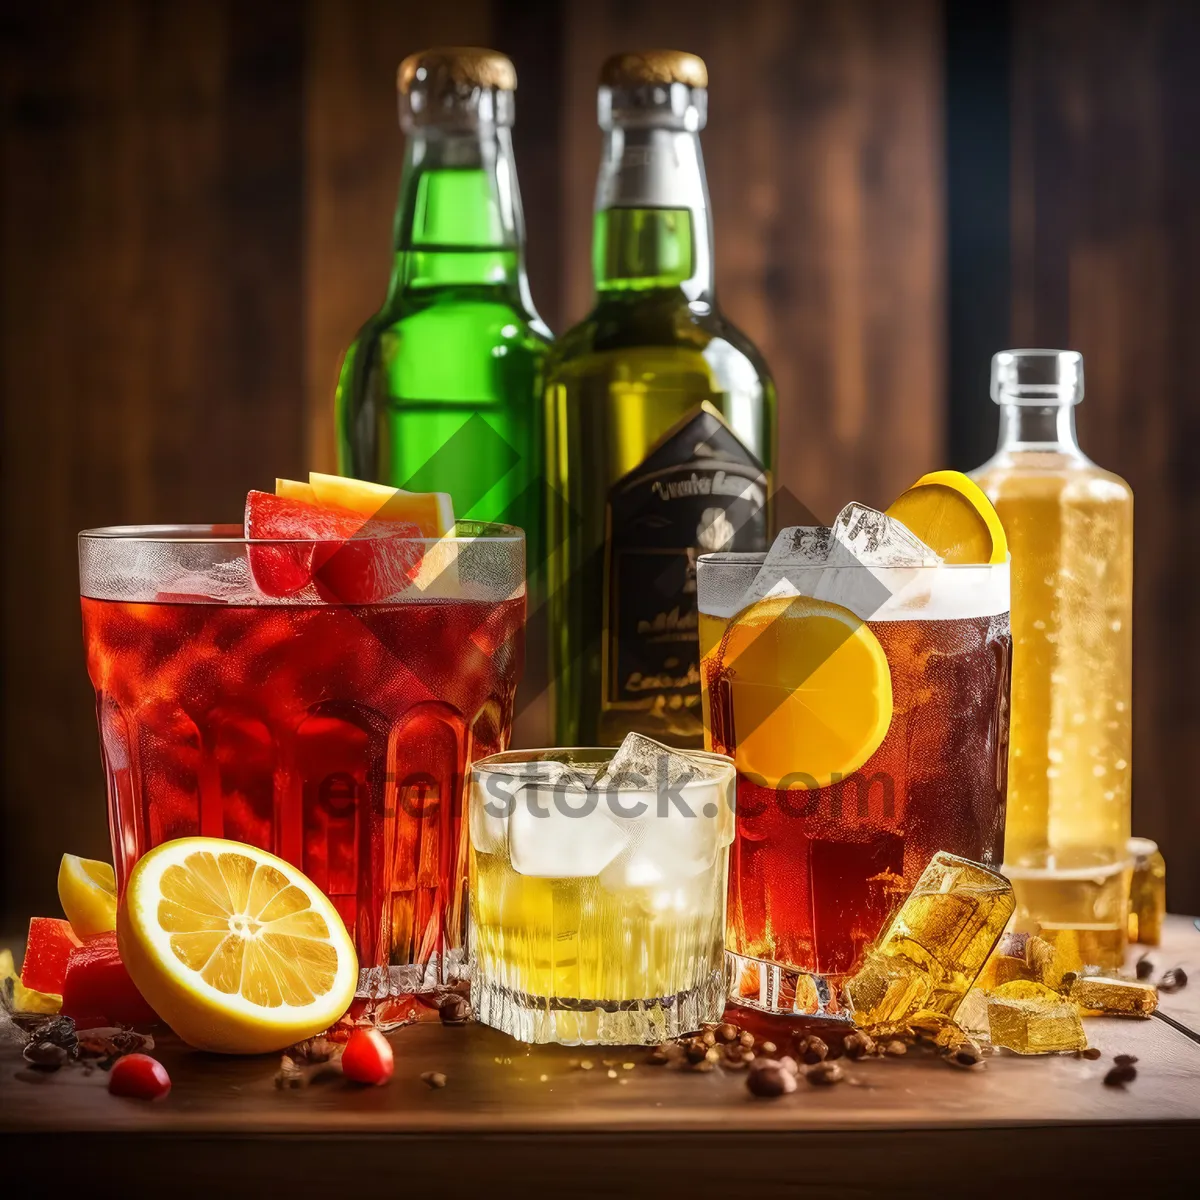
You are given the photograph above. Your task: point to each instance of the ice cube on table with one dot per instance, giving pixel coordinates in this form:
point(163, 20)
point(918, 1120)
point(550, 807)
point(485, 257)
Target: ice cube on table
point(1044, 1024)
point(945, 929)
point(1124, 997)
point(563, 833)
point(887, 988)
point(1027, 956)
point(971, 1015)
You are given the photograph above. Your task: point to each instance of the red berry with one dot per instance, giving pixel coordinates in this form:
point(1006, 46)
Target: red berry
point(367, 1057)
point(139, 1076)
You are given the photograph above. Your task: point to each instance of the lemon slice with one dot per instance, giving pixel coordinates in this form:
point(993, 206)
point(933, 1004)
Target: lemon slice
point(234, 948)
point(951, 515)
point(87, 891)
point(293, 489)
point(432, 512)
point(810, 688)
point(26, 1000)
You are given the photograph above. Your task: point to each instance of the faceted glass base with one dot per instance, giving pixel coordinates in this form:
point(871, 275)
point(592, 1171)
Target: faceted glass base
point(771, 987)
point(415, 979)
point(573, 1022)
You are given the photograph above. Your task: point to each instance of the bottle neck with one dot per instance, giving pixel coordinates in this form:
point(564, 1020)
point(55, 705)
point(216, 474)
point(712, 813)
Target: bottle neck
point(458, 219)
point(1036, 427)
point(653, 230)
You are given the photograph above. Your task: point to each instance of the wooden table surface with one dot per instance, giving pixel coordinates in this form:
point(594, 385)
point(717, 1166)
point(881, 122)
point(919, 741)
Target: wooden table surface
point(513, 1115)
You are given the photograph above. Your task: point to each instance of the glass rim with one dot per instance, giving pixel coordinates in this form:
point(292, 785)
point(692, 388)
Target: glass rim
point(230, 534)
point(604, 753)
point(734, 558)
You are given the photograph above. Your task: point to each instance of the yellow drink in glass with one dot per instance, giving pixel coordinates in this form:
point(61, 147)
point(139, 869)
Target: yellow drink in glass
point(598, 912)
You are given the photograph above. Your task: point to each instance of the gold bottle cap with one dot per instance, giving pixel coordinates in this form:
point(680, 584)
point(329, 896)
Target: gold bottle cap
point(636, 69)
point(447, 68)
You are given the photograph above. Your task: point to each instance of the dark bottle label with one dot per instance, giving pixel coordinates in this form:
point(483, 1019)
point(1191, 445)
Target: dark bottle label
point(698, 490)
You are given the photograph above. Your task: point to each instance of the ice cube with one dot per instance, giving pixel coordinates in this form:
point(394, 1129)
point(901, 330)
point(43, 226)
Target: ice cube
point(642, 764)
point(796, 555)
point(1123, 997)
point(946, 929)
point(888, 988)
point(800, 544)
point(496, 787)
point(1027, 956)
point(561, 831)
point(674, 836)
point(1042, 1024)
point(877, 540)
point(971, 1015)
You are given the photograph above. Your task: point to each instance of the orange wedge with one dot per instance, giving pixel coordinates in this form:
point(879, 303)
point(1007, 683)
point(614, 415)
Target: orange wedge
point(810, 688)
point(952, 516)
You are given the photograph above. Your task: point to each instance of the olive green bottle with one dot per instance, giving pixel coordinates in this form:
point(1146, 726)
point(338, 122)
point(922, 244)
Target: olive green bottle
point(660, 424)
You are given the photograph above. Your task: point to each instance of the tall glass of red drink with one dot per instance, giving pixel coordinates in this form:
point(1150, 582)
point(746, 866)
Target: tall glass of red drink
point(336, 735)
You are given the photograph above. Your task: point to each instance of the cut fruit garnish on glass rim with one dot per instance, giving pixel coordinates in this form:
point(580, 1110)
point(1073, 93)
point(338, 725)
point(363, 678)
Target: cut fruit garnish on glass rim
point(235, 949)
point(829, 705)
point(950, 514)
point(348, 558)
point(431, 512)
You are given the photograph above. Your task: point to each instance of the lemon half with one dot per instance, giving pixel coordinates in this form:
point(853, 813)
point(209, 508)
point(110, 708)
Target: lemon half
point(234, 948)
point(810, 688)
point(951, 515)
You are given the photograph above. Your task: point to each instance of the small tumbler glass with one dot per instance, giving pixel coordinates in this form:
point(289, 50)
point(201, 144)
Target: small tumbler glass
point(597, 912)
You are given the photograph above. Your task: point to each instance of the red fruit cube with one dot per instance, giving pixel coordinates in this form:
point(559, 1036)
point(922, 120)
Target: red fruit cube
point(51, 941)
point(350, 558)
point(98, 988)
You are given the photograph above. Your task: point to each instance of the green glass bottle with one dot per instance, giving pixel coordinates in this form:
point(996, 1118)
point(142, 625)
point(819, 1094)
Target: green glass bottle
point(661, 424)
point(441, 390)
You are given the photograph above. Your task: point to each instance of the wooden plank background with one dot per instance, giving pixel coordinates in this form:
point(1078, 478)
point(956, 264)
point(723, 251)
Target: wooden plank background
point(195, 212)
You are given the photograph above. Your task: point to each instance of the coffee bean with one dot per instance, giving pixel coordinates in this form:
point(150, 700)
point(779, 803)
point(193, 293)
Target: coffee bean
point(697, 1051)
point(965, 1054)
point(727, 1032)
point(746, 1038)
point(433, 1079)
point(767, 1047)
point(1092, 1052)
point(858, 1045)
point(1125, 1060)
point(1120, 1075)
point(769, 1080)
point(823, 1074)
point(1173, 980)
point(737, 1058)
point(708, 1037)
point(45, 1055)
point(812, 1049)
point(1145, 968)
